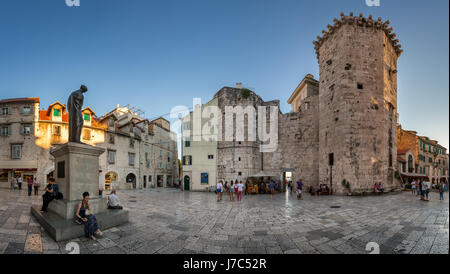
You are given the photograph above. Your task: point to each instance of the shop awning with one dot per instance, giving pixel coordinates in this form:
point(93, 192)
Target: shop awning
point(419, 175)
point(18, 165)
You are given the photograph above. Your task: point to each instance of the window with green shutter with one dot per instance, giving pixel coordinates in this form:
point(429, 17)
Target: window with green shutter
point(87, 117)
point(56, 112)
point(187, 160)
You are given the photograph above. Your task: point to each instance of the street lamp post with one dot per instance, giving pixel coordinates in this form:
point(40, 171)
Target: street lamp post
point(181, 143)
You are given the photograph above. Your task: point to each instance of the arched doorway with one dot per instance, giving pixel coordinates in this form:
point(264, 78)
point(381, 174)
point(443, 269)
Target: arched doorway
point(110, 179)
point(131, 178)
point(187, 182)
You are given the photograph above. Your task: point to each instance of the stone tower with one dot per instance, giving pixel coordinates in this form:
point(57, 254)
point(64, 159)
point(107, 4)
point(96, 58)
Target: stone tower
point(357, 103)
point(237, 159)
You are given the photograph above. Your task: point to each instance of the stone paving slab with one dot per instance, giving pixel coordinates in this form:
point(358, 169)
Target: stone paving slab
point(168, 221)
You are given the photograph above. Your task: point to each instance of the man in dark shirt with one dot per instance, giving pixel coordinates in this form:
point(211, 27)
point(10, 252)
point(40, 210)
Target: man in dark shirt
point(51, 192)
point(30, 185)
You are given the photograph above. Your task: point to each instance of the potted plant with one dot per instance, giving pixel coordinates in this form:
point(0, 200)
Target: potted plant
point(346, 184)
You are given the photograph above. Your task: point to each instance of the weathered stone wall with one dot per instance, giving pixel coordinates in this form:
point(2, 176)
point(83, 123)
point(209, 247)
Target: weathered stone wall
point(357, 107)
point(237, 157)
point(298, 144)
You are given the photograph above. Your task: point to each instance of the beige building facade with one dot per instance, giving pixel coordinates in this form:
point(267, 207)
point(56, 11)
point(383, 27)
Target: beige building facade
point(419, 157)
point(199, 157)
point(129, 161)
point(18, 157)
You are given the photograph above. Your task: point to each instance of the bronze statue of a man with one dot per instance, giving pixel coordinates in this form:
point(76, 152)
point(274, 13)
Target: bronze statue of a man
point(74, 106)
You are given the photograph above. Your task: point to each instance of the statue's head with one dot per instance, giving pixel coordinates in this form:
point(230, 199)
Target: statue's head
point(83, 88)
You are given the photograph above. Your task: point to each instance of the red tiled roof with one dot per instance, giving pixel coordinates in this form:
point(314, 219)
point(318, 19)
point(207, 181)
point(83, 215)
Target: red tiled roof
point(44, 117)
point(402, 151)
point(50, 107)
point(89, 109)
point(24, 99)
point(401, 159)
point(96, 122)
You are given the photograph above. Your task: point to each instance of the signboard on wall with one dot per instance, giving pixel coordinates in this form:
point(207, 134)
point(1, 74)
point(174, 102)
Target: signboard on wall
point(204, 178)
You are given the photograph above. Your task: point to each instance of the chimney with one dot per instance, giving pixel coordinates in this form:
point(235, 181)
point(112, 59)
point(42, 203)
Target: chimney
point(117, 106)
point(238, 85)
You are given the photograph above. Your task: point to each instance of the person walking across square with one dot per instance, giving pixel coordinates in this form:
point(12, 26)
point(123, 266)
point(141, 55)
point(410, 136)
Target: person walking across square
point(30, 186)
point(36, 186)
point(19, 182)
point(219, 191)
point(441, 192)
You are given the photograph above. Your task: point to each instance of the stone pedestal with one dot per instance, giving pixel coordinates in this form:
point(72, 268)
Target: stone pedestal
point(76, 172)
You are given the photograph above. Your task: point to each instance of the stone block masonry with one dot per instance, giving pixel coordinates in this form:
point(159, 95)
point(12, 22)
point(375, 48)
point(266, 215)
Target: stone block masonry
point(358, 103)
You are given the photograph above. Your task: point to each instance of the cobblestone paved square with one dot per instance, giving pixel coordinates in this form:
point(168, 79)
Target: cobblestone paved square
point(169, 221)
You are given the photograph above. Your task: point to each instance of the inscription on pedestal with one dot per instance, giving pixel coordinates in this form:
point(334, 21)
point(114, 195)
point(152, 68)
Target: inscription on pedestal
point(61, 169)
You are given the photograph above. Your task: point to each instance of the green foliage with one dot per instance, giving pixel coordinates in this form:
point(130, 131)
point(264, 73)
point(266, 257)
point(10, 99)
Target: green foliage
point(346, 184)
point(245, 93)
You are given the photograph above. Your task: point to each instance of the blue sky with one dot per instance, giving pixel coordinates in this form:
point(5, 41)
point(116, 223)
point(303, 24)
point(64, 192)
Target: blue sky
point(159, 54)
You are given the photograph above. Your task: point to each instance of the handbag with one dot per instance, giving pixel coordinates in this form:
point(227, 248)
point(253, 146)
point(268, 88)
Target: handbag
point(59, 196)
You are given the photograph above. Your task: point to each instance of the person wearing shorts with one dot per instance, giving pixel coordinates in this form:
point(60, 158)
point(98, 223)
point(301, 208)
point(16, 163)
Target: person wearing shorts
point(299, 190)
point(441, 192)
point(219, 191)
point(240, 189)
point(232, 191)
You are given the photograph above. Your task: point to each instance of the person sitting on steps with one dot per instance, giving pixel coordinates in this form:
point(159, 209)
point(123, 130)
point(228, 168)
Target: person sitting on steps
point(51, 193)
point(85, 217)
point(113, 201)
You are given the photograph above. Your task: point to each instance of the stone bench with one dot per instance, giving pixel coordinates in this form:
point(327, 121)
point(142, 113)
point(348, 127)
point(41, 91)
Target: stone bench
point(62, 229)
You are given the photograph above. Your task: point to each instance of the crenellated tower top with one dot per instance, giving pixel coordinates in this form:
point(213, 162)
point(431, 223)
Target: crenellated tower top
point(361, 22)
